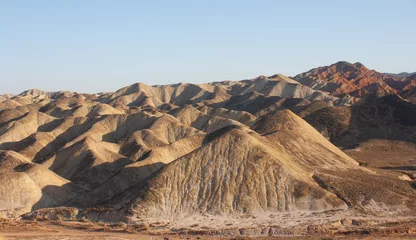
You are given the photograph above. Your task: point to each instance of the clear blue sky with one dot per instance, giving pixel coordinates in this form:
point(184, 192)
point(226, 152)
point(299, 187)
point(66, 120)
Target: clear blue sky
point(93, 46)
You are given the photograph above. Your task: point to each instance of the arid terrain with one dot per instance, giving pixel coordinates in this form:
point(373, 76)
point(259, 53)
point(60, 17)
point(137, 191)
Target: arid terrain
point(327, 153)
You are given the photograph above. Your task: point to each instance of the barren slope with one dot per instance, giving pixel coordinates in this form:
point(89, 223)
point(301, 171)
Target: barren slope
point(217, 150)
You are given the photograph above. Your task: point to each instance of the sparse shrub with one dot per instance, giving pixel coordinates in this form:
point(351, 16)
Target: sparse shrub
point(59, 217)
point(122, 225)
point(88, 225)
point(106, 227)
point(102, 224)
point(38, 217)
point(146, 226)
point(134, 228)
point(3, 218)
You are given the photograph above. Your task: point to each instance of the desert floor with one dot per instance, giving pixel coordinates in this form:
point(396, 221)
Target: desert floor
point(54, 230)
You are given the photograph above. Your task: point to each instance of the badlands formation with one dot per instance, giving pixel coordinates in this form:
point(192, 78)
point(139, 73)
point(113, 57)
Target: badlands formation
point(329, 150)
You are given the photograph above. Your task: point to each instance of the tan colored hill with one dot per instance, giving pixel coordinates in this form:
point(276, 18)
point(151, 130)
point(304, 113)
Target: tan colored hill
point(194, 118)
point(289, 168)
point(240, 116)
point(26, 186)
point(136, 173)
point(23, 126)
point(4, 97)
point(380, 133)
point(237, 152)
point(389, 117)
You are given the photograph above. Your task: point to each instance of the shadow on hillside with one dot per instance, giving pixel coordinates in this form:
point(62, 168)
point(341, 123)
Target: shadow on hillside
point(389, 118)
point(13, 119)
point(88, 175)
point(56, 196)
point(119, 189)
point(131, 124)
point(252, 103)
point(125, 186)
point(408, 168)
point(191, 91)
point(70, 134)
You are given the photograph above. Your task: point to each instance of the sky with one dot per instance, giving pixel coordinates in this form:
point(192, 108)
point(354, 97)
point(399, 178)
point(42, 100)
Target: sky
point(98, 45)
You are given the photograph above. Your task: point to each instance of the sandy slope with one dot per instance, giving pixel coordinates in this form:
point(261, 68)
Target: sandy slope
point(188, 153)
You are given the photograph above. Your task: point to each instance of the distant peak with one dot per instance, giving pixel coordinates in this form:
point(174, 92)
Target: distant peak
point(277, 75)
point(402, 74)
point(358, 64)
point(33, 92)
point(261, 77)
point(343, 63)
point(348, 64)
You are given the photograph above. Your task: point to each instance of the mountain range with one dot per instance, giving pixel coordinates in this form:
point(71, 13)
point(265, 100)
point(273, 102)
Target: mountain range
point(337, 139)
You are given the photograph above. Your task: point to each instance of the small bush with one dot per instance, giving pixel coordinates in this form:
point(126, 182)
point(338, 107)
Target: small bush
point(106, 227)
point(59, 217)
point(3, 218)
point(122, 225)
point(102, 224)
point(146, 226)
point(86, 226)
point(38, 218)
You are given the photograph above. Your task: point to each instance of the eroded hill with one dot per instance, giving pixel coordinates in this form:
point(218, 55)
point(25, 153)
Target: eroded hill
point(228, 148)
